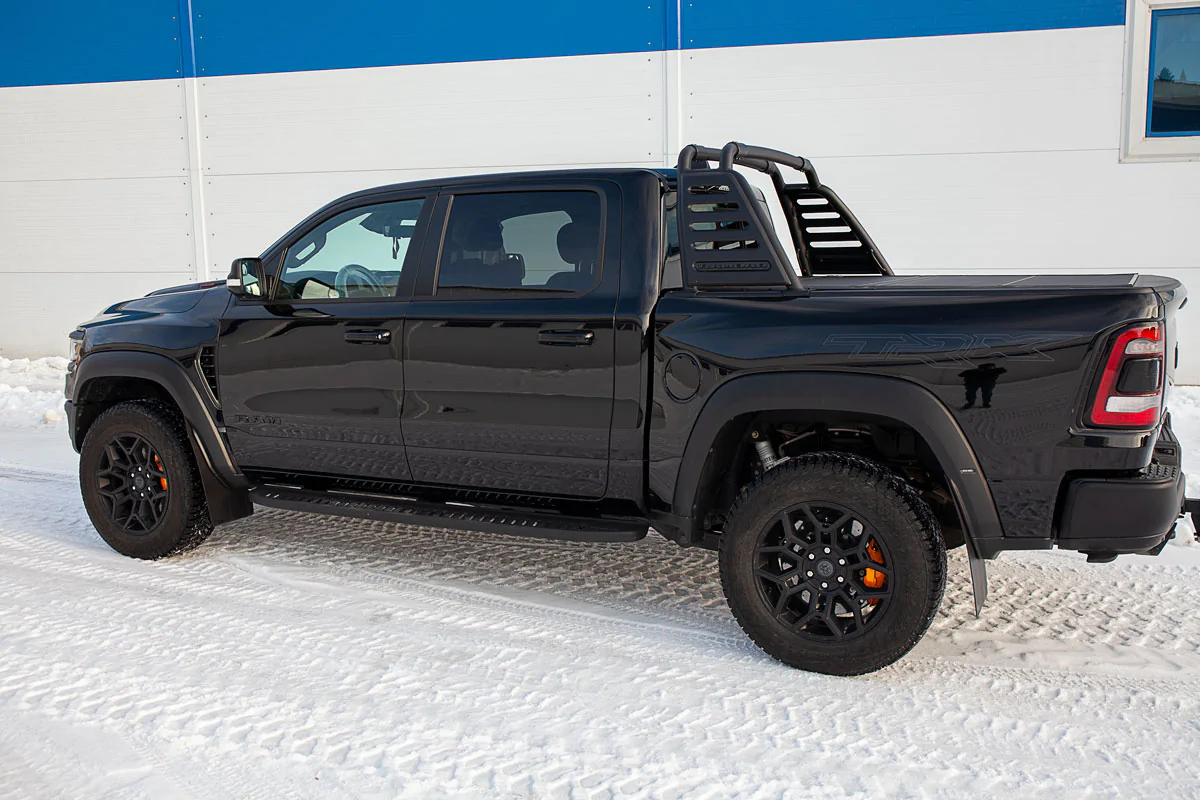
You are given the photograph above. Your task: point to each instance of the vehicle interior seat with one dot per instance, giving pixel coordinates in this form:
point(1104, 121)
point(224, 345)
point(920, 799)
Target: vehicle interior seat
point(578, 245)
point(475, 257)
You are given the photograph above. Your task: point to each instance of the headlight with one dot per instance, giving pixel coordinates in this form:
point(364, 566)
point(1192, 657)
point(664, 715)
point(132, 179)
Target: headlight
point(74, 350)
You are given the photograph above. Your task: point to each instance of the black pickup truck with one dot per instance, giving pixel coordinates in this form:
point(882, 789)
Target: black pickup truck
point(586, 354)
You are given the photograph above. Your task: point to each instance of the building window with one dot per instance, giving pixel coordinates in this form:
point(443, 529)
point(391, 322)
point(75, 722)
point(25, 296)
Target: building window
point(1174, 107)
point(1162, 81)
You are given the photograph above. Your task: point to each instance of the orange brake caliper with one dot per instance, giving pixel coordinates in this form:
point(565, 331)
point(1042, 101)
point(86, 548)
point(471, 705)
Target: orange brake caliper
point(163, 481)
point(873, 579)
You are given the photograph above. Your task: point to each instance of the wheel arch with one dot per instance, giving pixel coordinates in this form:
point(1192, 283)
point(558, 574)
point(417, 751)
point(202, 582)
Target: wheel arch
point(893, 399)
point(108, 377)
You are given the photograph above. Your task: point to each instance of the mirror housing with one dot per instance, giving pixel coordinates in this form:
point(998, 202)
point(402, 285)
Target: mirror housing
point(246, 278)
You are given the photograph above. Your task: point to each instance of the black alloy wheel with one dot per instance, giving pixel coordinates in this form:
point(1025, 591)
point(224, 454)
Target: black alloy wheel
point(133, 484)
point(823, 571)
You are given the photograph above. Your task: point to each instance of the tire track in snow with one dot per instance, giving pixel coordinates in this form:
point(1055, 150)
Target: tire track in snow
point(403, 661)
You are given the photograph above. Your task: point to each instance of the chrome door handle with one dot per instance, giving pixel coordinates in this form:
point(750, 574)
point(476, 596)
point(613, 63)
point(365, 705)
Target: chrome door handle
point(566, 338)
point(378, 336)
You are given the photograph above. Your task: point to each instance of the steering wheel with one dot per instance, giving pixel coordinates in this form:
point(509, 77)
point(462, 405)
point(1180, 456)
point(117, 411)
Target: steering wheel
point(361, 279)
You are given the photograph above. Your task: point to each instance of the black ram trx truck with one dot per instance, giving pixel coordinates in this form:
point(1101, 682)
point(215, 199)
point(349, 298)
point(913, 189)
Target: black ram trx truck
point(586, 354)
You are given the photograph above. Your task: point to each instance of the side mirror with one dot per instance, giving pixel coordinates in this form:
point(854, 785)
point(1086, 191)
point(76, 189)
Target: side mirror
point(246, 277)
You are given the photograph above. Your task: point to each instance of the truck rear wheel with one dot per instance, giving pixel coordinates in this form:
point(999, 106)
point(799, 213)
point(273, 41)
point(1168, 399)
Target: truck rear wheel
point(140, 484)
point(832, 564)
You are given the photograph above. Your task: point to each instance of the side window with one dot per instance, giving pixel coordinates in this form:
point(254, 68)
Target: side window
point(536, 241)
point(357, 254)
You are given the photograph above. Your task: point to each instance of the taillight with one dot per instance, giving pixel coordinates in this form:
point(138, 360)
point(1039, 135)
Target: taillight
point(1131, 387)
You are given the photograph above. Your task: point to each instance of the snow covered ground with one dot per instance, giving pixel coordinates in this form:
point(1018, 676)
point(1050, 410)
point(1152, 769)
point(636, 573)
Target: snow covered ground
point(298, 656)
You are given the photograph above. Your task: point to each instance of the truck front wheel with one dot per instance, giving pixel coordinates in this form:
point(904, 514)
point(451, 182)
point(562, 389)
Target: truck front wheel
point(140, 484)
point(831, 563)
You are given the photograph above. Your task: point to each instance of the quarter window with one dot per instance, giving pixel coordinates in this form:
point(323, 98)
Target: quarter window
point(358, 254)
point(534, 241)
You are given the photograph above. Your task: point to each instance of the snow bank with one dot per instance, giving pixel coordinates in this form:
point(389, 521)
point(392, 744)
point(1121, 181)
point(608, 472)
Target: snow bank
point(31, 391)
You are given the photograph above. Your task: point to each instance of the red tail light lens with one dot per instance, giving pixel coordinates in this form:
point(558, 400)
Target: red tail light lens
point(1131, 387)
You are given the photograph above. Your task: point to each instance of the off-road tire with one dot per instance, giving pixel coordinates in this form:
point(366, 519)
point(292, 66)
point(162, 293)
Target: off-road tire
point(184, 522)
point(880, 498)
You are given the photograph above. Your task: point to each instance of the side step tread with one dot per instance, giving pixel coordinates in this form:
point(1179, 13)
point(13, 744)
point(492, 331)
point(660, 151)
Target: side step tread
point(488, 519)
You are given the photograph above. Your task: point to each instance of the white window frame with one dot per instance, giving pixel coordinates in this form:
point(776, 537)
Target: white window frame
point(1135, 145)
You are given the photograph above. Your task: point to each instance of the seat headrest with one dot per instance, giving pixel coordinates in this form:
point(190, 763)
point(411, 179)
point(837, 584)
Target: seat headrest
point(578, 243)
point(479, 234)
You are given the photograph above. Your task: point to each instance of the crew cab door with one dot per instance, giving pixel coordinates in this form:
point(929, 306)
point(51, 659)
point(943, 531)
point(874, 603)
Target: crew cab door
point(311, 378)
point(508, 343)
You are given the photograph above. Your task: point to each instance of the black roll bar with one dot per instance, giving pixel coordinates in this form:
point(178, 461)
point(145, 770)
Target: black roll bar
point(767, 161)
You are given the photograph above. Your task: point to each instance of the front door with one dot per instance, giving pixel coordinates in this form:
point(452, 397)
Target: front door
point(509, 341)
point(311, 378)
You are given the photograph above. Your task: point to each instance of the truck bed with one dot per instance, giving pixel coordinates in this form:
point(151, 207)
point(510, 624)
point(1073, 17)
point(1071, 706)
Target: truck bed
point(985, 282)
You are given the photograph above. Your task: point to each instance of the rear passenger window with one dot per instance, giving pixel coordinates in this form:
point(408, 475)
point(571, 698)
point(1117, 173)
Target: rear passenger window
point(535, 241)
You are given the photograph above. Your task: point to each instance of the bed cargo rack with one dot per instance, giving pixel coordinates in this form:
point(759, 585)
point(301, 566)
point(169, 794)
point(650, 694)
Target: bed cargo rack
point(726, 233)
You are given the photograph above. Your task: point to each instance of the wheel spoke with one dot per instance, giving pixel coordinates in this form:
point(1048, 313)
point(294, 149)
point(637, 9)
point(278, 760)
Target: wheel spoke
point(836, 525)
point(876, 594)
point(856, 609)
point(807, 617)
point(772, 577)
point(832, 621)
point(781, 601)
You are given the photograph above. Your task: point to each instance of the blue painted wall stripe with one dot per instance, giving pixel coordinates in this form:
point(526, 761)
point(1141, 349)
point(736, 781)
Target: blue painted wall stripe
point(715, 23)
point(84, 41)
point(73, 41)
point(235, 37)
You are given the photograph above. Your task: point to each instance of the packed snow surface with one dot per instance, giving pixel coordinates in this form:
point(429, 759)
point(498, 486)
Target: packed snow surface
point(301, 656)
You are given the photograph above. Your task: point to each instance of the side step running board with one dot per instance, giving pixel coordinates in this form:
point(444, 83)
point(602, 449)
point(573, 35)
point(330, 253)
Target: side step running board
point(489, 519)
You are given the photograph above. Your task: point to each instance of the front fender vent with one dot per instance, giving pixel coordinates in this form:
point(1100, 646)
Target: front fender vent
point(206, 365)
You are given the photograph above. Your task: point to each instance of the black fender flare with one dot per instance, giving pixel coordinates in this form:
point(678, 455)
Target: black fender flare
point(879, 396)
point(224, 484)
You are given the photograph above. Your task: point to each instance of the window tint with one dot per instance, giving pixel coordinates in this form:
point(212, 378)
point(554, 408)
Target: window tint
point(1174, 107)
point(355, 255)
point(539, 241)
point(672, 275)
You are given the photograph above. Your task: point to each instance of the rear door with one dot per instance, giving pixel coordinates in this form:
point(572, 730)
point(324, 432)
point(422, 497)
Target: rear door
point(509, 340)
point(311, 379)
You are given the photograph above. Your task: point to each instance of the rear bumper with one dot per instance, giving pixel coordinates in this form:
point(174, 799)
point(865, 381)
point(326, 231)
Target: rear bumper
point(1122, 515)
point(1128, 514)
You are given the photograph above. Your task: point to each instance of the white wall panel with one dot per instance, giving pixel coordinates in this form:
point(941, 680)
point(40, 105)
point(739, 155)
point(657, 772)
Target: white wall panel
point(523, 113)
point(1041, 212)
point(94, 130)
point(73, 247)
point(139, 225)
point(94, 204)
point(1037, 90)
point(39, 310)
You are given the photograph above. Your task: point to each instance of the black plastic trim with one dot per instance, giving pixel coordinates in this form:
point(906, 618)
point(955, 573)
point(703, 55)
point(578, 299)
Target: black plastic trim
point(488, 519)
point(1122, 515)
point(171, 376)
point(859, 394)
